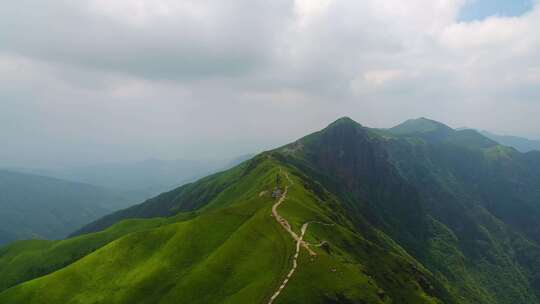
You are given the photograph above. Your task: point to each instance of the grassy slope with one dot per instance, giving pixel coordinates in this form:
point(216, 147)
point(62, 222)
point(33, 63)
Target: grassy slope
point(186, 198)
point(235, 252)
point(24, 260)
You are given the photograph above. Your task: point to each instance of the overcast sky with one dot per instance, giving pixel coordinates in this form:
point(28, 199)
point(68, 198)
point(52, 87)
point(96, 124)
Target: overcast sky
point(99, 80)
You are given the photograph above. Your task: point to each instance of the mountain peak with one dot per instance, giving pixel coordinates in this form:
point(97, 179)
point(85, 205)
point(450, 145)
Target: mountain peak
point(421, 125)
point(344, 121)
point(432, 130)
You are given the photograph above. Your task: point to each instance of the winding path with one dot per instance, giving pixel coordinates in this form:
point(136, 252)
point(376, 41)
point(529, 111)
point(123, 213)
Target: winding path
point(299, 239)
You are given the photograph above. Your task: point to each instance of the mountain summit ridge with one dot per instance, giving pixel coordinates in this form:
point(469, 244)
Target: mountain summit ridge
point(420, 125)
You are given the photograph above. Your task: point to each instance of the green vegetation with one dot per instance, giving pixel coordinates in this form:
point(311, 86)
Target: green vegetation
point(243, 257)
point(24, 260)
point(394, 217)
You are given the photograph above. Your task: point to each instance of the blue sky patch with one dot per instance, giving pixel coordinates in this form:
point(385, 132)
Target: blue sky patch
point(481, 9)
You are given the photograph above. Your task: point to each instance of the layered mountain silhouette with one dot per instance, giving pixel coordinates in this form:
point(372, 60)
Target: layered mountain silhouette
point(520, 143)
point(34, 206)
point(419, 213)
point(138, 180)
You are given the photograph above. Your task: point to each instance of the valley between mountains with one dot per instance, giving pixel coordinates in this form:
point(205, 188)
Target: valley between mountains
point(419, 213)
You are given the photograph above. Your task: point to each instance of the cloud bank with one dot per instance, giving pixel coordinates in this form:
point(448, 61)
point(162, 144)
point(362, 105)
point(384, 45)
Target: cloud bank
point(119, 80)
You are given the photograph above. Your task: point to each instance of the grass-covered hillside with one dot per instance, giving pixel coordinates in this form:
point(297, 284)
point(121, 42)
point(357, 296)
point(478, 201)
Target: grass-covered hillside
point(345, 215)
point(231, 251)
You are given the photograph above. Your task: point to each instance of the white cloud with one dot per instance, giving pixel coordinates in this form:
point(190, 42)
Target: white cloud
point(183, 76)
point(379, 77)
point(307, 10)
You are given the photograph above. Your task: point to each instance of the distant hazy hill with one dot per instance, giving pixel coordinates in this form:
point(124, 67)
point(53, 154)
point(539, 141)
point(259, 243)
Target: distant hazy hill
point(520, 143)
point(417, 214)
point(7, 237)
point(36, 206)
point(143, 179)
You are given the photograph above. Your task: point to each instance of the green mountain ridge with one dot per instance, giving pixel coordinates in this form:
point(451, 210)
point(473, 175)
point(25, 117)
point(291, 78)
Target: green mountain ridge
point(435, 131)
point(420, 213)
point(421, 125)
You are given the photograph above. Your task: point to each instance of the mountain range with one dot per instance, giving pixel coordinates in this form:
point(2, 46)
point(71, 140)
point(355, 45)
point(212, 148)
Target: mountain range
point(139, 180)
point(520, 143)
point(50, 204)
point(419, 213)
point(33, 206)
